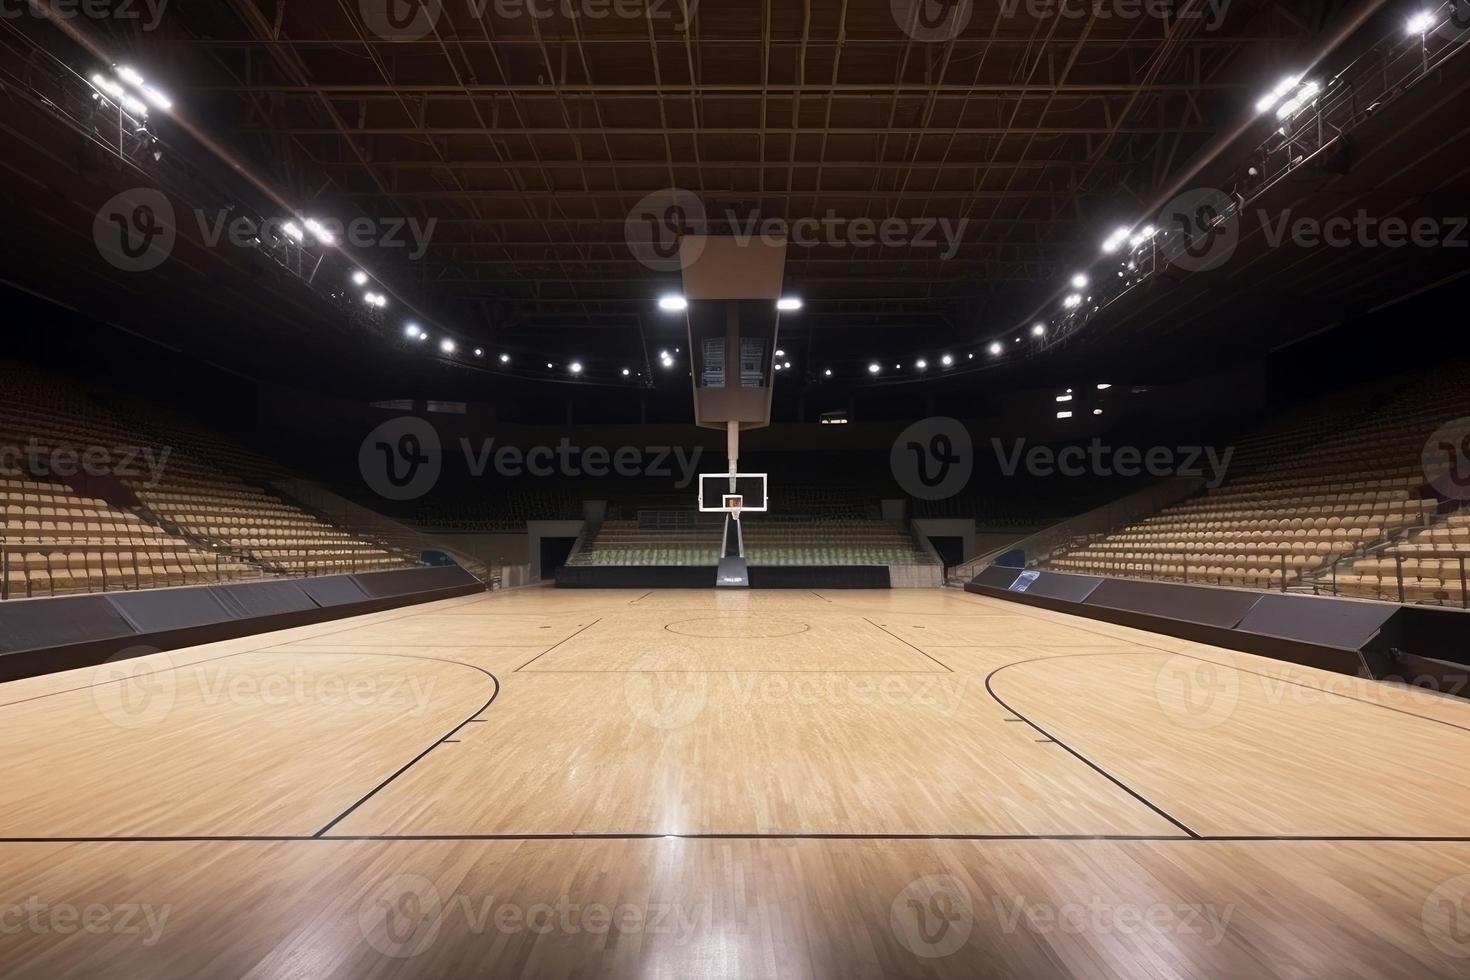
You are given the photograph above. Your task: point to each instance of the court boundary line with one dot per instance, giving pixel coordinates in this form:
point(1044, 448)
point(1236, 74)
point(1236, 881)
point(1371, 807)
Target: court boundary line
point(906, 643)
point(752, 836)
point(1247, 670)
point(1073, 752)
point(557, 644)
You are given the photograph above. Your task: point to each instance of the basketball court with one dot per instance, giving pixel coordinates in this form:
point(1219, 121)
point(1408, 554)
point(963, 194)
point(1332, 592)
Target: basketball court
point(728, 783)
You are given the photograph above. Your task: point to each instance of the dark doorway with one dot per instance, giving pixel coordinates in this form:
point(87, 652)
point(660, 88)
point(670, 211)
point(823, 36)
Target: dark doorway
point(951, 550)
point(554, 552)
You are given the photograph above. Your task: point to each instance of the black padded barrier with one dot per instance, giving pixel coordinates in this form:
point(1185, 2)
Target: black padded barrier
point(43, 636)
point(996, 576)
point(703, 577)
point(247, 599)
point(30, 624)
point(332, 590)
point(1348, 624)
point(1224, 608)
point(1058, 585)
point(166, 610)
point(406, 581)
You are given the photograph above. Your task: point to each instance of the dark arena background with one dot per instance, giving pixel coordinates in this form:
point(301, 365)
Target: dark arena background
point(657, 488)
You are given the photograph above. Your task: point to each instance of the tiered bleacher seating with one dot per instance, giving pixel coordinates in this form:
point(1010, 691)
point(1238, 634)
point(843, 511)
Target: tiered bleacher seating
point(767, 542)
point(1317, 493)
point(174, 517)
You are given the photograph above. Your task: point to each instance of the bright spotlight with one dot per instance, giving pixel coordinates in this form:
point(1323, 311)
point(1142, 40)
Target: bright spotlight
point(321, 234)
point(995, 349)
point(1103, 387)
point(1038, 330)
point(1064, 398)
point(668, 362)
point(874, 368)
point(673, 303)
point(780, 353)
point(359, 278)
point(788, 304)
point(787, 365)
point(479, 352)
point(1097, 411)
point(1304, 95)
point(1282, 89)
point(946, 360)
point(827, 373)
point(412, 330)
point(294, 230)
point(447, 346)
point(504, 358)
point(1079, 281)
point(1421, 23)
point(1073, 301)
point(575, 367)
point(1064, 415)
point(1116, 239)
point(921, 364)
point(626, 372)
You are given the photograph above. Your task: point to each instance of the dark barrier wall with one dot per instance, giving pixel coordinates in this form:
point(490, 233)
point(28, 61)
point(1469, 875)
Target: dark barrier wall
point(700, 577)
point(1056, 585)
point(1192, 604)
point(1344, 623)
point(996, 576)
point(35, 623)
point(40, 636)
point(820, 577)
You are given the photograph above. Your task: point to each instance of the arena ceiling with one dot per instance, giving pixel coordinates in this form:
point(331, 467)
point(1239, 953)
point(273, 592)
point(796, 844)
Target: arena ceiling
point(986, 147)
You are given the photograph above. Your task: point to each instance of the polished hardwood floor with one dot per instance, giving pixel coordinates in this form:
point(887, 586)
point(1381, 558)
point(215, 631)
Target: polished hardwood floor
point(754, 784)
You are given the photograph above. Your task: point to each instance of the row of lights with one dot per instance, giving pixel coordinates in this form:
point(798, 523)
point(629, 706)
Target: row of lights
point(128, 90)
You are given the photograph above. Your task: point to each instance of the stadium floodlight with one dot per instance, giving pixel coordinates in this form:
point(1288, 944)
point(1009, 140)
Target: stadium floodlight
point(921, 364)
point(778, 367)
point(668, 362)
point(673, 303)
point(1282, 90)
point(1116, 239)
point(1079, 281)
point(788, 365)
point(788, 304)
point(411, 331)
point(320, 233)
point(359, 278)
point(1064, 398)
point(780, 353)
point(549, 365)
point(1038, 330)
point(1421, 23)
point(1097, 411)
point(946, 360)
point(1064, 415)
point(575, 367)
point(996, 348)
point(292, 229)
point(1299, 101)
point(827, 373)
point(119, 95)
point(447, 346)
point(874, 368)
point(504, 358)
point(1103, 387)
point(626, 372)
point(479, 352)
point(1073, 301)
